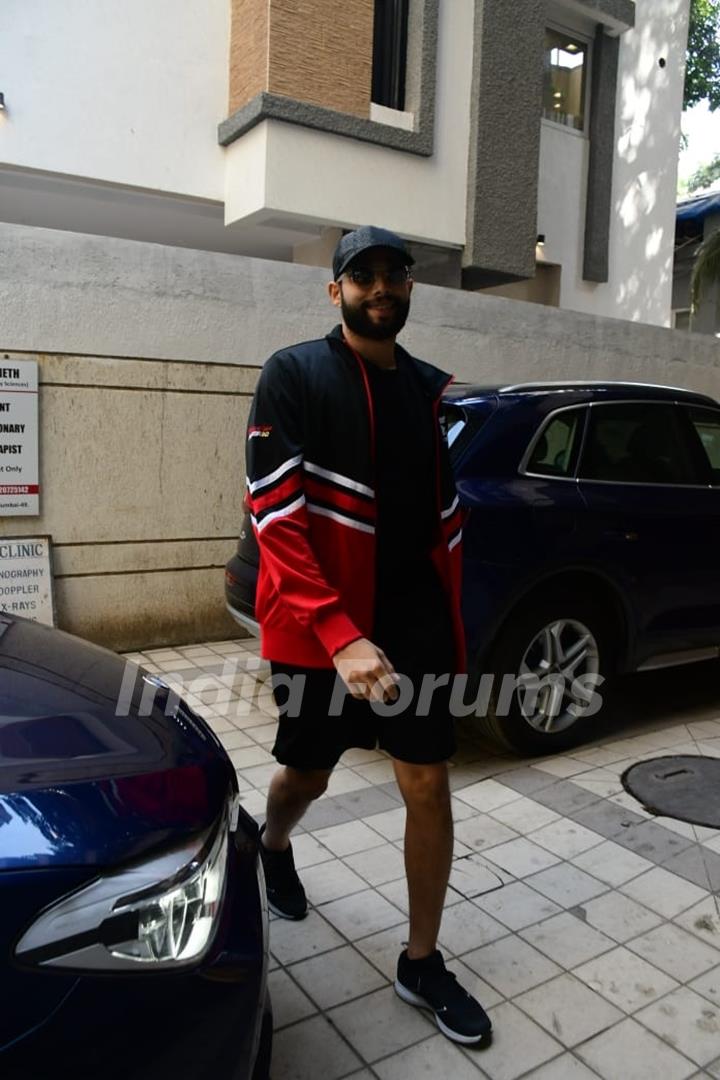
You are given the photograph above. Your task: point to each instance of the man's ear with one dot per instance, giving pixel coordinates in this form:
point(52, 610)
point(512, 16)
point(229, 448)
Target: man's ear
point(334, 292)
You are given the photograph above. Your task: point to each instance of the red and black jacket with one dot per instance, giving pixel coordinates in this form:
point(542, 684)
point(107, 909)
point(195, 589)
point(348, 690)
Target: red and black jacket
point(310, 489)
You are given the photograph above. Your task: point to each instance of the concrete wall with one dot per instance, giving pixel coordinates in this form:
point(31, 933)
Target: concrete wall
point(148, 357)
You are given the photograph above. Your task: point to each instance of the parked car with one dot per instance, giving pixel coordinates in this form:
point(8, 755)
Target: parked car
point(591, 545)
point(133, 936)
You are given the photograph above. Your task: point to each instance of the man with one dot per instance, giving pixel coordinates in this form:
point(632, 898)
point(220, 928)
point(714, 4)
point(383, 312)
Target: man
point(358, 524)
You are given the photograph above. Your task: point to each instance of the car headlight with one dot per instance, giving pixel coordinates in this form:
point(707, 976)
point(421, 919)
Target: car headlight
point(157, 914)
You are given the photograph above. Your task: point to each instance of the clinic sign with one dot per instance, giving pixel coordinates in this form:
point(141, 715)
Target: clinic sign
point(25, 577)
point(19, 468)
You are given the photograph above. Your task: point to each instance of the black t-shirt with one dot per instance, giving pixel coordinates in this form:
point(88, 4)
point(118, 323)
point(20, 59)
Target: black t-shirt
point(411, 609)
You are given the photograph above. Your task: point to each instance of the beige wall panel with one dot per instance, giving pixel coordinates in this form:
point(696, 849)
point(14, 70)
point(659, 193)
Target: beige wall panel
point(321, 52)
point(112, 371)
point(249, 28)
point(134, 465)
point(155, 554)
point(132, 611)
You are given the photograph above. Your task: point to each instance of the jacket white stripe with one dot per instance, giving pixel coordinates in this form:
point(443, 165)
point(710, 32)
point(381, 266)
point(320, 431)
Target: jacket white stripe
point(451, 509)
point(337, 478)
point(340, 518)
point(289, 509)
point(455, 540)
point(254, 485)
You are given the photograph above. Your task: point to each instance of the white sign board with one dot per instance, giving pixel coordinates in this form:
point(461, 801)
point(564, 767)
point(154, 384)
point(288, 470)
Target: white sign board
point(19, 465)
point(25, 578)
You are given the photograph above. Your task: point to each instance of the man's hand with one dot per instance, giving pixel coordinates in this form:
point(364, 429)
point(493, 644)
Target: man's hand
point(366, 671)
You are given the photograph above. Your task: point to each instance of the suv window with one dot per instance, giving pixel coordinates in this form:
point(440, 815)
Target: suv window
point(639, 443)
point(459, 424)
point(706, 423)
point(555, 452)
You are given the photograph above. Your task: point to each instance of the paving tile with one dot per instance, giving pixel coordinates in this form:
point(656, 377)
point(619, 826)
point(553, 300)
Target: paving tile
point(337, 977)
point(518, 1045)
point(566, 798)
point(307, 851)
point(255, 803)
point(310, 1049)
point(383, 949)
point(361, 914)
point(698, 865)
point(358, 755)
point(511, 965)
point(607, 818)
point(377, 772)
point(390, 823)
point(566, 885)
point(527, 780)
point(687, 1021)
point(624, 979)
point(328, 881)
point(368, 800)
point(517, 905)
point(289, 1002)
point(676, 951)
point(434, 1057)
point(632, 1052)
point(566, 1067)
point(566, 838)
point(618, 916)
point(232, 739)
point(651, 841)
point(562, 767)
point(521, 857)
point(612, 863)
point(381, 1025)
point(378, 865)
point(291, 941)
point(567, 940)
point(465, 926)
point(713, 1069)
point(349, 838)
point(473, 877)
point(487, 995)
point(703, 920)
point(524, 815)
point(486, 795)
point(482, 831)
point(345, 781)
point(708, 985)
point(601, 782)
point(568, 1009)
point(663, 892)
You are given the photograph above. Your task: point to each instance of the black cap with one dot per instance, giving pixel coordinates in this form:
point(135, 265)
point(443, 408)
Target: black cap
point(368, 236)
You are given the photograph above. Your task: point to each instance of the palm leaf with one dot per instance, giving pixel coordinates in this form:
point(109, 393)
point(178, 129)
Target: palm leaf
point(706, 270)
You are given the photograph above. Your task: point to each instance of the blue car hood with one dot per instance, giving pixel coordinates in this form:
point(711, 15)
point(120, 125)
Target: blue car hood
point(81, 785)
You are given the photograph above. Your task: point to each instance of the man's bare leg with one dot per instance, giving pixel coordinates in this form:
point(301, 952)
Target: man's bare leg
point(428, 849)
point(291, 792)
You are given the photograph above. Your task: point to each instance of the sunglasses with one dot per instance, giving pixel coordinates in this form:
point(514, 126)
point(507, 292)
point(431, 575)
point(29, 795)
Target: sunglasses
point(364, 276)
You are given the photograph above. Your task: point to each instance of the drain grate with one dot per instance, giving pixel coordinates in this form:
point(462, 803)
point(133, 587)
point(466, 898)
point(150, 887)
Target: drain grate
point(683, 787)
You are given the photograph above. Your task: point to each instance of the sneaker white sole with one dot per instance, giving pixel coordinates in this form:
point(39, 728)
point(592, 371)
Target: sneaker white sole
point(421, 1003)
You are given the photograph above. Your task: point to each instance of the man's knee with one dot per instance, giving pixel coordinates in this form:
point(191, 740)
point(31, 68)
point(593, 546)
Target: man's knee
point(308, 783)
point(424, 786)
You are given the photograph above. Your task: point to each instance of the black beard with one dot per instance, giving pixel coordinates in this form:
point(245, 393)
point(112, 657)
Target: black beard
point(357, 320)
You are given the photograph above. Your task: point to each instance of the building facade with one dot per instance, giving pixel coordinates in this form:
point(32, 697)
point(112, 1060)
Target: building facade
point(528, 147)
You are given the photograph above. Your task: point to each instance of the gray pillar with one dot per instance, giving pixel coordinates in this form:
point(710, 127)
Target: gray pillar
point(504, 151)
point(602, 154)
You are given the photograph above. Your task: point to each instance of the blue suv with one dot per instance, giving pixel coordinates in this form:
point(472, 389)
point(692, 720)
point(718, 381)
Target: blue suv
point(591, 543)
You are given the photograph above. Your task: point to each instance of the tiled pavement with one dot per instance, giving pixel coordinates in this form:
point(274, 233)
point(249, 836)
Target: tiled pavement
point(590, 931)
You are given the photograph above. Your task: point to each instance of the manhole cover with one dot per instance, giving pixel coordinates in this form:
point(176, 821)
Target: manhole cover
point(683, 787)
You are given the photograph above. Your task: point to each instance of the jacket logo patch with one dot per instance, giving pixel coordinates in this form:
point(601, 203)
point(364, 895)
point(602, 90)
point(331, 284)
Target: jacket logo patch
point(259, 431)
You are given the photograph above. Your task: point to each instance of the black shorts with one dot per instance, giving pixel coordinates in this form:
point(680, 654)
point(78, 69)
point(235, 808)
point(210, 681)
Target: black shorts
point(415, 632)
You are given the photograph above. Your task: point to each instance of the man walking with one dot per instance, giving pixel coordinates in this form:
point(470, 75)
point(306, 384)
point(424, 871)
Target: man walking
point(358, 524)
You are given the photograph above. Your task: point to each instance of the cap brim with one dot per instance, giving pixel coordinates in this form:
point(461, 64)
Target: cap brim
point(403, 257)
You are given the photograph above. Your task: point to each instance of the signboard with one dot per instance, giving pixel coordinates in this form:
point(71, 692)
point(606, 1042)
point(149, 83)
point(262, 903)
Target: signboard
point(25, 578)
point(19, 470)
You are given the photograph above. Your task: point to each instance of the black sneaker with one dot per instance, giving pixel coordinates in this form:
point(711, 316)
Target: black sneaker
point(428, 984)
point(285, 894)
